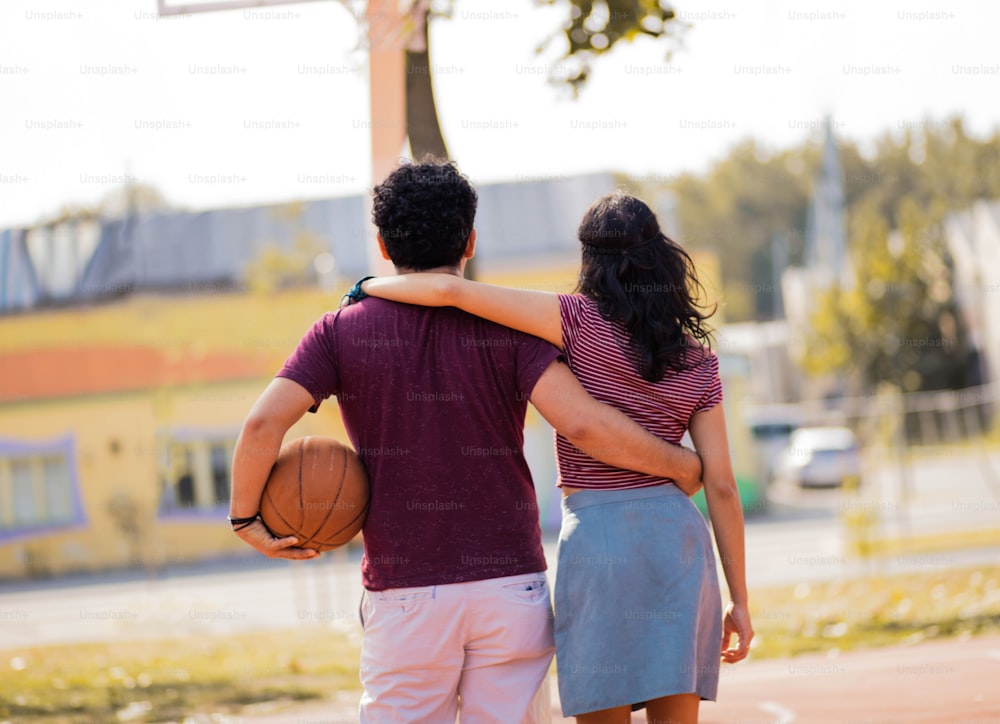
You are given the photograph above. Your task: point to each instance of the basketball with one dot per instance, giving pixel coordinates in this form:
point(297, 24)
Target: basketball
point(317, 491)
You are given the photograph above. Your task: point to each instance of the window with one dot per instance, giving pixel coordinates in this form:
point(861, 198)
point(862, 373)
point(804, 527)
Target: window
point(25, 506)
point(58, 498)
point(195, 471)
point(185, 480)
point(221, 460)
point(37, 486)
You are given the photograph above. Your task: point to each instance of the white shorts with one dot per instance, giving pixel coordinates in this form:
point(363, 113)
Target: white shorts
point(480, 648)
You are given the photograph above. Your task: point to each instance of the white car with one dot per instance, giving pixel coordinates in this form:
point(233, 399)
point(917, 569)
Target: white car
point(821, 456)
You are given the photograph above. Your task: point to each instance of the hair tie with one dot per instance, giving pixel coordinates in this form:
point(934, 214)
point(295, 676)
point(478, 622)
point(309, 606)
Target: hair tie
point(620, 250)
point(605, 250)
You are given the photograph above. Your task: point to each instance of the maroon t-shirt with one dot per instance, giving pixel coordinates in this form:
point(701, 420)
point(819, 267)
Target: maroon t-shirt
point(433, 400)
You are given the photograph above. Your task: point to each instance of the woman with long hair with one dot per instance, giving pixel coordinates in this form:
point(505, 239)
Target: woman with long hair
point(639, 615)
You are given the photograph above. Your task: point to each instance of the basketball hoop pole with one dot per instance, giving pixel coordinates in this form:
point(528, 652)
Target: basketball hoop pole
point(387, 110)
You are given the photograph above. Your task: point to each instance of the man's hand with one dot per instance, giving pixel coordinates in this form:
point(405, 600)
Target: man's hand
point(257, 535)
point(686, 479)
point(608, 435)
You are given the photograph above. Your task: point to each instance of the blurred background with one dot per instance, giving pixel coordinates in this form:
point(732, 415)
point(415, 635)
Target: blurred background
point(184, 189)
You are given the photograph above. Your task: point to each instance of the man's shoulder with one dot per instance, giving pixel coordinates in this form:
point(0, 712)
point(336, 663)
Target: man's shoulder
point(369, 310)
point(373, 316)
point(374, 310)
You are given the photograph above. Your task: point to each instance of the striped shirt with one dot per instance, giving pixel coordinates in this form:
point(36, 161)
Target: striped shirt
point(598, 353)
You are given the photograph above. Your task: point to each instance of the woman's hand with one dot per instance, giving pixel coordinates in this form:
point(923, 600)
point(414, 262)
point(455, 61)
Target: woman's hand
point(257, 535)
point(736, 623)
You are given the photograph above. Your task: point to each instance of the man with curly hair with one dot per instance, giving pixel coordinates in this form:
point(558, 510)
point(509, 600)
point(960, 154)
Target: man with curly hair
point(456, 609)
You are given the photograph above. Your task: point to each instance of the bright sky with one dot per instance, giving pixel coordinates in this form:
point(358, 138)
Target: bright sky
point(268, 105)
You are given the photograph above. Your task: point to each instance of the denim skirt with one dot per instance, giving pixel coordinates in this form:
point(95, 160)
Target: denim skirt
point(638, 612)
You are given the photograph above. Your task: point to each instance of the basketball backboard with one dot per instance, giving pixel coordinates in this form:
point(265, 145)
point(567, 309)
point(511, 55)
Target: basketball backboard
point(384, 20)
point(184, 7)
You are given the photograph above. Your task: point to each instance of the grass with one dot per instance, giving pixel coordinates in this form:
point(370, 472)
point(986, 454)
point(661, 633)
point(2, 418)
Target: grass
point(882, 547)
point(875, 611)
point(165, 680)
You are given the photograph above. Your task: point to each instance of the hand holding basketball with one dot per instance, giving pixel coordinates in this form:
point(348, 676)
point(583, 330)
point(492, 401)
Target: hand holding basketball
point(317, 492)
point(258, 536)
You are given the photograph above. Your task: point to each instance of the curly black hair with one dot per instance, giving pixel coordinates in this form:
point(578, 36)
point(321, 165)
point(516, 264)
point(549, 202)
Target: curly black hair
point(425, 213)
point(644, 281)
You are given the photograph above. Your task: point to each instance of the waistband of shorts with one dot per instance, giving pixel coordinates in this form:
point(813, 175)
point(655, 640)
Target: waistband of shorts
point(586, 498)
point(479, 583)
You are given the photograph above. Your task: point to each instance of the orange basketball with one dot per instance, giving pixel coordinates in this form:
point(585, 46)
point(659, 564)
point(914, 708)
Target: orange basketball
point(317, 491)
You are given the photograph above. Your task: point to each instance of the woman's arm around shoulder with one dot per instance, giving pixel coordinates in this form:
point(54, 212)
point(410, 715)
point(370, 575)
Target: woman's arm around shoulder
point(527, 310)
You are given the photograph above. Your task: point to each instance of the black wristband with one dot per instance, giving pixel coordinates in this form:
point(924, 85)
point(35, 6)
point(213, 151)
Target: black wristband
point(243, 522)
point(356, 293)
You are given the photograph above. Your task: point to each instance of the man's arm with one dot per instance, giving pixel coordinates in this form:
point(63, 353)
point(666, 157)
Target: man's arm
point(279, 407)
point(608, 435)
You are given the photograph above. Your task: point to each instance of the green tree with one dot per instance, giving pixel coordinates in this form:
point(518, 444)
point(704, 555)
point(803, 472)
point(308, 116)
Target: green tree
point(899, 314)
point(738, 209)
point(897, 323)
point(752, 195)
point(592, 28)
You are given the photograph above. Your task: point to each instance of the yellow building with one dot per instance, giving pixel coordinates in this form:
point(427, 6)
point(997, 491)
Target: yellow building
point(117, 426)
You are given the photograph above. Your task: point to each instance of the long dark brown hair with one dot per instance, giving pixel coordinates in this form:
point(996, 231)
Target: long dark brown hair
point(644, 281)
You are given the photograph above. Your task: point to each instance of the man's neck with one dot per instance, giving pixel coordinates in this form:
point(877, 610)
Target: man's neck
point(457, 271)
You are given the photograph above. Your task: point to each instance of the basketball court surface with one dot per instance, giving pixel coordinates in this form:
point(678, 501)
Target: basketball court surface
point(953, 681)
